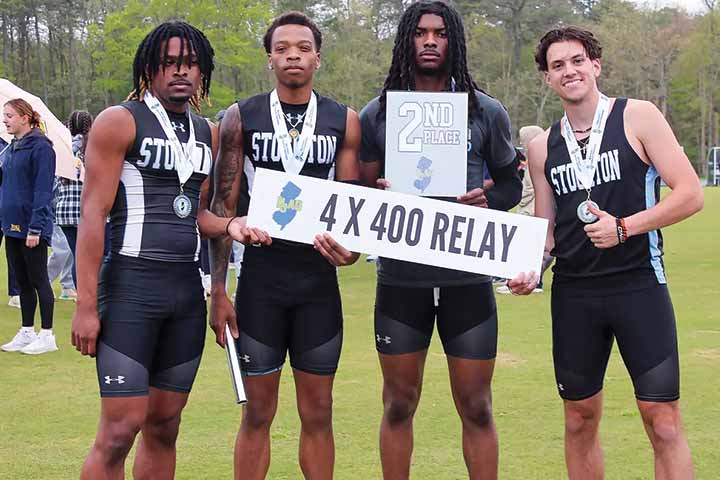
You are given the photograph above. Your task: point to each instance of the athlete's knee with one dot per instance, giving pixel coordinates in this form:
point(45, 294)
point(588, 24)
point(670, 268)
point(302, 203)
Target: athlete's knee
point(259, 415)
point(316, 413)
point(663, 424)
point(115, 439)
point(476, 410)
point(581, 418)
point(162, 429)
point(400, 404)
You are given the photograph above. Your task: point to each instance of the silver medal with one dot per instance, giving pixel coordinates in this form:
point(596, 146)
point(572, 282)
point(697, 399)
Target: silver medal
point(182, 206)
point(583, 211)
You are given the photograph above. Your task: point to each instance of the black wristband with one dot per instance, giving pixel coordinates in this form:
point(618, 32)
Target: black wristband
point(227, 227)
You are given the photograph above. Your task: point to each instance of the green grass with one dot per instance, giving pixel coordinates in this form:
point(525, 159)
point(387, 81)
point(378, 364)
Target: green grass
point(49, 404)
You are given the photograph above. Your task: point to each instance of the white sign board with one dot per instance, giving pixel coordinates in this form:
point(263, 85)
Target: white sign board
point(426, 143)
point(396, 225)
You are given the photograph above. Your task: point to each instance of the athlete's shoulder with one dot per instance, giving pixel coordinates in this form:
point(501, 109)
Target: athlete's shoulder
point(538, 148)
point(490, 104)
point(114, 127)
point(122, 114)
point(331, 104)
point(371, 109)
point(642, 109)
point(256, 101)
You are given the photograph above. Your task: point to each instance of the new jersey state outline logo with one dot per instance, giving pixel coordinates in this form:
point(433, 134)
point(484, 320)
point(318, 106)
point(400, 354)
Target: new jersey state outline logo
point(424, 174)
point(288, 205)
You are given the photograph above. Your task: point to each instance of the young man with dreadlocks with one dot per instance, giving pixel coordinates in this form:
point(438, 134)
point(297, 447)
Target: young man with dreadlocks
point(143, 313)
point(430, 55)
point(596, 175)
point(288, 297)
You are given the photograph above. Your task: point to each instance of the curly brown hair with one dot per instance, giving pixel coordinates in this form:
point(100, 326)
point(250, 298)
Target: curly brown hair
point(565, 34)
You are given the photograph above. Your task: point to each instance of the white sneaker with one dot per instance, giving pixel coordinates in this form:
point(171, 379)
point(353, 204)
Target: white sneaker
point(14, 301)
point(68, 294)
point(44, 343)
point(21, 340)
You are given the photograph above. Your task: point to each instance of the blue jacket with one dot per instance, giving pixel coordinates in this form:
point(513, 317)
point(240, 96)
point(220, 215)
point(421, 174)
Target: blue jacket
point(28, 171)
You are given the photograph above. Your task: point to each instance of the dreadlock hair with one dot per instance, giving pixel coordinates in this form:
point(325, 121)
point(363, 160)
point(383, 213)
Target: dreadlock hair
point(292, 18)
point(403, 68)
point(565, 34)
point(149, 59)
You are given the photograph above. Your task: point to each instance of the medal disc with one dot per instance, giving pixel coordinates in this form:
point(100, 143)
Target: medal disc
point(583, 211)
point(182, 206)
point(294, 133)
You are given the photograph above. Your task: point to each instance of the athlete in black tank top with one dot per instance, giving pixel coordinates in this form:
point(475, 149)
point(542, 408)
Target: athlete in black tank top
point(143, 315)
point(605, 214)
point(288, 298)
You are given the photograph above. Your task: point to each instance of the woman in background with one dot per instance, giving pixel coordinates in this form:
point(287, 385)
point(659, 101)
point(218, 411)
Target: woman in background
point(28, 171)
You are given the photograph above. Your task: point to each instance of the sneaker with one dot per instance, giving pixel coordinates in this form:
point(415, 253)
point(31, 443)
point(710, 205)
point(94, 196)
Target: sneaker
point(44, 343)
point(505, 290)
point(68, 294)
point(371, 258)
point(14, 301)
point(499, 281)
point(21, 340)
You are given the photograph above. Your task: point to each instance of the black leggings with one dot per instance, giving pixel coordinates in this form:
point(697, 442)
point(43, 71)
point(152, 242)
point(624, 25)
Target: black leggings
point(32, 278)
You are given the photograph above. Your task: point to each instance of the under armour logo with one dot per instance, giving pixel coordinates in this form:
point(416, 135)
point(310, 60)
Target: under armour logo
point(560, 387)
point(387, 340)
point(119, 380)
point(294, 118)
point(245, 358)
point(178, 126)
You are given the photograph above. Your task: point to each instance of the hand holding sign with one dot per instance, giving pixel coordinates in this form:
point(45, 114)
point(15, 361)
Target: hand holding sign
point(335, 253)
point(523, 283)
point(239, 232)
point(475, 197)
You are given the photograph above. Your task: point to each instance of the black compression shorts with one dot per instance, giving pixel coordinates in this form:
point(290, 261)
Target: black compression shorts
point(153, 316)
point(291, 310)
point(585, 322)
point(466, 319)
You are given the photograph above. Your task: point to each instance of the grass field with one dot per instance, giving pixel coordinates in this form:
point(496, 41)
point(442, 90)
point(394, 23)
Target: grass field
point(49, 404)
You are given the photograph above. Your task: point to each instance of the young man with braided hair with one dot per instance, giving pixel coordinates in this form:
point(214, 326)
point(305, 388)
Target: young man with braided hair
point(430, 55)
point(288, 298)
point(143, 314)
point(596, 175)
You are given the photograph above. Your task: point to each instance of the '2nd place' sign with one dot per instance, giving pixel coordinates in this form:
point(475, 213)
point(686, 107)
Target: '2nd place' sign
point(396, 225)
point(426, 143)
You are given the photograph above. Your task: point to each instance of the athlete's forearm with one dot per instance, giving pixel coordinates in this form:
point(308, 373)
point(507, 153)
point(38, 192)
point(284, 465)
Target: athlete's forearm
point(212, 226)
point(90, 241)
point(679, 204)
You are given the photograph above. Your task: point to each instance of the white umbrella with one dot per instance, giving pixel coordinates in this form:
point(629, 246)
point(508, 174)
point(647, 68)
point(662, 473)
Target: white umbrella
point(54, 128)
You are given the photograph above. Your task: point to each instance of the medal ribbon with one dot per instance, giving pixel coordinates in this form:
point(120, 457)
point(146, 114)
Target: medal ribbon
point(294, 153)
point(585, 167)
point(183, 155)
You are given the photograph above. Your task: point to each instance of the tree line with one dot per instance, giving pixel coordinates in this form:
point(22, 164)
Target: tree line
point(78, 53)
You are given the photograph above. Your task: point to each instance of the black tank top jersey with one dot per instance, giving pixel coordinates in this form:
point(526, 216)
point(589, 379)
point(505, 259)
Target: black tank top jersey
point(623, 185)
point(143, 222)
point(261, 151)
